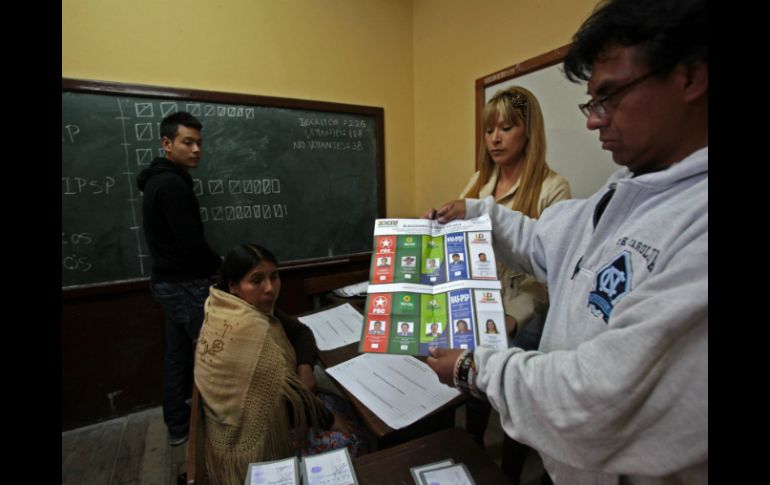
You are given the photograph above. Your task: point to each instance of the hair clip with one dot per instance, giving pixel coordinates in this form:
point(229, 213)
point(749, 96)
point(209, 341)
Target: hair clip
point(518, 101)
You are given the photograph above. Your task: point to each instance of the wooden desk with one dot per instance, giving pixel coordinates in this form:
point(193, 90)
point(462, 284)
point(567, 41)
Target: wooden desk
point(322, 285)
point(443, 417)
point(392, 466)
point(358, 302)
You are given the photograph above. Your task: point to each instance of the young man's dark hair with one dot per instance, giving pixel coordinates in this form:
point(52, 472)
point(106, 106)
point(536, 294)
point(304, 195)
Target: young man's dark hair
point(170, 124)
point(669, 32)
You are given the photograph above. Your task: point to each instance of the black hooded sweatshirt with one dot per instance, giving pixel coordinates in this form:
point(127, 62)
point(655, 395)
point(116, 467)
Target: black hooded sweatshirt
point(172, 224)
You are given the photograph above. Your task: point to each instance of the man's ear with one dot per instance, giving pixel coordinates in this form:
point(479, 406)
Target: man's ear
point(697, 80)
point(166, 143)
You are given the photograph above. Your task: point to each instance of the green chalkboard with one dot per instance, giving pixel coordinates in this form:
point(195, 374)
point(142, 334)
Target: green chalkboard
point(303, 178)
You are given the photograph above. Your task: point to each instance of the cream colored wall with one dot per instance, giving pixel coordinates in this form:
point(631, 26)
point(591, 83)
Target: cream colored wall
point(455, 43)
point(345, 51)
point(418, 59)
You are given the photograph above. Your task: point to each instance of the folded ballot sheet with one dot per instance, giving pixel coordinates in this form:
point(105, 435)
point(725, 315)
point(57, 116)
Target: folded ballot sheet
point(433, 286)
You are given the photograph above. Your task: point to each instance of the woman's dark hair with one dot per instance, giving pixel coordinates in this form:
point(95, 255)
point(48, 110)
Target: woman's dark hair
point(239, 261)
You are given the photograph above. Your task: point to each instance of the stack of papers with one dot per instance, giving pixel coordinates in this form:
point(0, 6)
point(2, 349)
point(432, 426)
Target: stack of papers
point(356, 289)
point(335, 327)
point(330, 468)
point(399, 389)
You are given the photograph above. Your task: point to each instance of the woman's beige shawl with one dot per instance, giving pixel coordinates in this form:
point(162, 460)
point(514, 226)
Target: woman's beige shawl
point(245, 370)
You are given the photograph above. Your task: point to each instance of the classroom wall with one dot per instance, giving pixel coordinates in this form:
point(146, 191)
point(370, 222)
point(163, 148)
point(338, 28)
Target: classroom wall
point(455, 43)
point(344, 51)
point(418, 59)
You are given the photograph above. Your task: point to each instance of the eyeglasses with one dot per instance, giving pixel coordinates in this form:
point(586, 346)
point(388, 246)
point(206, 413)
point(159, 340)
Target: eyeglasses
point(596, 105)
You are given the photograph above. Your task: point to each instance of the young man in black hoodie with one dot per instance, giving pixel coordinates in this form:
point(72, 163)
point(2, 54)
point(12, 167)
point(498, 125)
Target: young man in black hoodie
point(183, 262)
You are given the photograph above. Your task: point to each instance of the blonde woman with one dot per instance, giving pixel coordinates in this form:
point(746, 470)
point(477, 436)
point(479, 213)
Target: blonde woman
point(512, 168)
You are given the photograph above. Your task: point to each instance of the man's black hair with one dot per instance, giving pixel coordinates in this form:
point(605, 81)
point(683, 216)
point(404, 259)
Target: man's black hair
point(170, 124)
point(669, 32)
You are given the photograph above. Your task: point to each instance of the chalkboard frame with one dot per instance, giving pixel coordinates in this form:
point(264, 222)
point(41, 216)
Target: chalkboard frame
point(144, 90)
point(536, 63)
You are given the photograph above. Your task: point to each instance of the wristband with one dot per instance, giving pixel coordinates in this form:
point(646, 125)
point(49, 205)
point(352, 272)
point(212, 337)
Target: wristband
point(456, 371)
point(466, 374)
point(466, 366)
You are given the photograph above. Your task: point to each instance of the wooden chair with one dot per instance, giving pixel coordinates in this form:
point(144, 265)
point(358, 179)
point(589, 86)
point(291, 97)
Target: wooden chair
point(196, 445)
point(319, 285)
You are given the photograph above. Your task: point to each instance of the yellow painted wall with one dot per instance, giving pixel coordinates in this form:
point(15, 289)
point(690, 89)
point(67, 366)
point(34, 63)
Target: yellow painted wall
point(345, 51)
point(418, 59)
point(455, 43)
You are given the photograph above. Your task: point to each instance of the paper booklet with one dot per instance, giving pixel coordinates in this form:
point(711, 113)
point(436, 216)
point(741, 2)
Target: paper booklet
point(433, 285)
point(416, 470)
point(456, 474)
point(330, 468)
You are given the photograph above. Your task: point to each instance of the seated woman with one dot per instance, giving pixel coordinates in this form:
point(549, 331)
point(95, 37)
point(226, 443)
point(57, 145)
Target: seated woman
point(254, 371)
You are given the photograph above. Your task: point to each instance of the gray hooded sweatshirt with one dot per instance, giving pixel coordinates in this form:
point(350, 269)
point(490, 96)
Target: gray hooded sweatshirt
point(618, 390)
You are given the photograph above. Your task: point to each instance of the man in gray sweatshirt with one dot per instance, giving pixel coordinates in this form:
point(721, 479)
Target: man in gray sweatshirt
point(618, 390)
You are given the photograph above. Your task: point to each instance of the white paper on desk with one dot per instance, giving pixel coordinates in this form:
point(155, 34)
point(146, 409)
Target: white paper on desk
point(451, 475)
point(355, 289)
point(416, 470)
point(279, 472)
point(335, 327)
point(399, 389)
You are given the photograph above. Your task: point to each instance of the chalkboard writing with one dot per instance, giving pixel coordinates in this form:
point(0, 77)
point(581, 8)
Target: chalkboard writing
point(303, 178)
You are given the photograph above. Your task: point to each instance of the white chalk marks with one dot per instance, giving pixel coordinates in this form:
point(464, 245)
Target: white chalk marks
point(246, 211)
point(265, 186)
point(249, 188)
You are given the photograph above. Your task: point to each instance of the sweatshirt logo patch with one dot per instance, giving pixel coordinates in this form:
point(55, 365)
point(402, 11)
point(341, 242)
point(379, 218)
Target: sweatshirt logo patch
point(612, 283)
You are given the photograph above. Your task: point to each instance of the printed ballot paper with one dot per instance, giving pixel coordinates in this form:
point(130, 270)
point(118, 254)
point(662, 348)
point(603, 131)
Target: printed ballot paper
point(433, 285)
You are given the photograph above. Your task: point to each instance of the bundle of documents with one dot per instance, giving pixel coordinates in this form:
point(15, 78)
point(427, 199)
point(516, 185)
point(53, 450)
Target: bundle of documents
point(445, 472)
point(433, 285)
point(330, 468)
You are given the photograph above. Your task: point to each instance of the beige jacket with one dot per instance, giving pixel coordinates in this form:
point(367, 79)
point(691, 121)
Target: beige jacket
point(523, 296)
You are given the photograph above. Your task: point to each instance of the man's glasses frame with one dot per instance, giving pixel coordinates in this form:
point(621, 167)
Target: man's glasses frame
point(596, 105)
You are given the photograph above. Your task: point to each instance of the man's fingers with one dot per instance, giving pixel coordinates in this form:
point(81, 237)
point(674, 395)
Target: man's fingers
point(436, 352)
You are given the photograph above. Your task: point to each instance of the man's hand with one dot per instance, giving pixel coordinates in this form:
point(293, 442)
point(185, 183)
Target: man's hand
point(448, 212)
point(305, 373)
point(442, 361)
point(511, 325)
point(451, 211)
point(429, 214)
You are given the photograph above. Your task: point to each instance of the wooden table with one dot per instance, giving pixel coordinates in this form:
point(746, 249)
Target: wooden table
point(333, 300)
point(391, 466)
